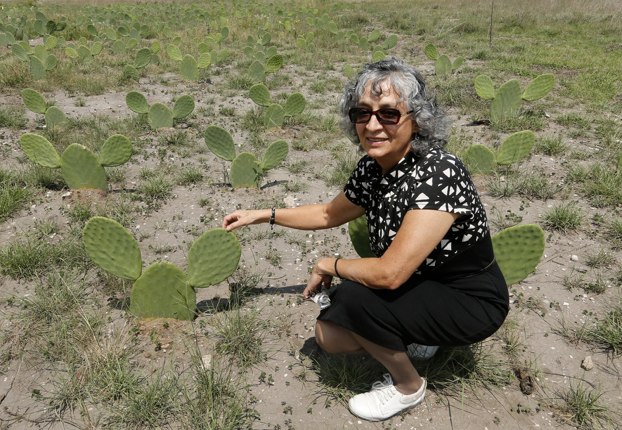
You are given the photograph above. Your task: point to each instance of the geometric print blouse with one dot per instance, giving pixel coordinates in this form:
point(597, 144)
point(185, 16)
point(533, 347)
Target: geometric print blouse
point(439, 181)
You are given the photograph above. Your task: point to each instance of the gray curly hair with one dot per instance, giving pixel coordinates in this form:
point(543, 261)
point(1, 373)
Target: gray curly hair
point(433, 124)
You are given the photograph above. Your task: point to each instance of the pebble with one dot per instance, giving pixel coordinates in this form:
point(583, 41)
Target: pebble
point(574, 258)
point(587, 363)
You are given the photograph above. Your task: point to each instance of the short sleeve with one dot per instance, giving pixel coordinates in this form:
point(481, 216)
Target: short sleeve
point(357, 188)
point(443, 184)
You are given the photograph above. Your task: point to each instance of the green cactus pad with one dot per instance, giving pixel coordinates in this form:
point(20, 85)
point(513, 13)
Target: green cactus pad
point(143, 57)
point(295, 104)
point(246, 171)
point(40, 52)
point(111, 34)
point(261, 57)
point(443, 65)
point(275, 115)
point(275, 154)
point(173, 52)
point(256, 72)
point(274, 63)
point(354, 39)
point(81, 168)
point(159, 116)
point(130, 72)
point(189, 69)
point(250, 52)
point(213, 258)
point(457, 63)
point(50, 62)
point(516, 147)
point(363, 43)
point(163, 291)
point(118, 47)
point(117, 150)
point(518, 251)
point(204, 61)
point(19, 52)
point(301, 42)
point(97, 48)
point(37, 69)
point(507, 101)
point(131, 44)
point(183, 107)
point(378, 56)
point(266, 38)
point(84, 52)
point(374, 36)
point(34, 101)
point(348, 70)
point(51, 43)
point(480, 159)
point(484, 87)
point(220, 142)
point(390, 42)
point(359, 235)
point(260, 95)
point(112, 248)
point(431, 52)
point(539, 87)
point(39, 150)
point(155, 47)
point(137, 102)
point(54, 117)
point(332, 27)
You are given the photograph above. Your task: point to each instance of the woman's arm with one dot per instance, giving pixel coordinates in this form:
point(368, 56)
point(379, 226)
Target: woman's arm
point(312, 217)
point(419, 234)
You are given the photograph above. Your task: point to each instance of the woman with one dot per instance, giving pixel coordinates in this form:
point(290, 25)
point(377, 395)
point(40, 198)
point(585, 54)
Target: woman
point(434, 280)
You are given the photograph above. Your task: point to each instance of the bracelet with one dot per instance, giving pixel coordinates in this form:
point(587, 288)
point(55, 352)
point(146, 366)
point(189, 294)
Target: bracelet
point(336, 272)
point(272, 218)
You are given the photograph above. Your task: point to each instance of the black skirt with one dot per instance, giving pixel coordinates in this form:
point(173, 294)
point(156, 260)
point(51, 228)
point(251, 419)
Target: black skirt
point(463, 303)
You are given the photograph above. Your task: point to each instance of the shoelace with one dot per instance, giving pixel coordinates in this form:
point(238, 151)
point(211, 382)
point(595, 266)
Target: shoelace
point(378, 385)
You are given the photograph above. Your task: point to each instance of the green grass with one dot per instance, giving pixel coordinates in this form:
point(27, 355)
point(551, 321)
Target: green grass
point(12, 118)
point(607, 332)
point(241, 336)
point(582, 406)
point(11, 198)
point(564, 217)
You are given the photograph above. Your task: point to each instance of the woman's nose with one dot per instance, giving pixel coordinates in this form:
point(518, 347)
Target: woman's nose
point(373, 123)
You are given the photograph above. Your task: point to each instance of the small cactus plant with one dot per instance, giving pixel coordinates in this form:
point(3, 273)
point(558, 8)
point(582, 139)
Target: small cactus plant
point(246, 170)
point(80, 167)
point(443, 64)
point(518, 250)
point(189, 67)
point(158, 114)
point(276, 114)
point(506, 101)
point(257, 71)
point(34, 101)
point(514, 148)
point(163, 290)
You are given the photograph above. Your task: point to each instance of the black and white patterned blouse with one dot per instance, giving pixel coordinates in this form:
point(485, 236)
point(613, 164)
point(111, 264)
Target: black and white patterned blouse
point(439, 181)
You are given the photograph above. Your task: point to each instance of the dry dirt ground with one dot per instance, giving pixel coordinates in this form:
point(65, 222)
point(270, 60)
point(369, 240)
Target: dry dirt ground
point(282, 258)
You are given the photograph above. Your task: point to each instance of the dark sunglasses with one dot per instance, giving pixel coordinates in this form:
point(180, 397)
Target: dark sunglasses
point(387, 116)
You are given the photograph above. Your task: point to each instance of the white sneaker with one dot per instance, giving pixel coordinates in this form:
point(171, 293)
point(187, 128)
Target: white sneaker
point(384, 401)
point(421, 351)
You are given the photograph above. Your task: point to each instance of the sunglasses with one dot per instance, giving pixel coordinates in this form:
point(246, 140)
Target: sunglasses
point(387, 116)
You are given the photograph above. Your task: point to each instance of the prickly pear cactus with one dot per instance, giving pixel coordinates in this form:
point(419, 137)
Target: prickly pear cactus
point(480, 159)
point(117, 150)
point(518, 251)
point(162, 290)
point(260, 95)
point(137, 102)
point(34, 101)
point(516, 147)
point(359, 235)
point(40, 150)
point(54, 117)
point(443, 65)
point(274, 63)
point(275, 115)
point(295, 104)
point(507, 101)
point(183, 107)
point(81, 168)
point(189, 69)
point(539, 87)
point(246, 171)
point(220, 142)
point(275, 154)
point(159, 116)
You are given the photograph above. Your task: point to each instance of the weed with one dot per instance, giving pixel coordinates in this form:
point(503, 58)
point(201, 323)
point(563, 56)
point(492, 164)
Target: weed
point(502, 221)
point(190, 175)
point(550, 145)
point(156, 188)
point(12, 118)
point(342, 170)
point(564, 217)
point(599, 259)
point(582, 406)
point(608, 332)
point(11, 198)
point(241, 335)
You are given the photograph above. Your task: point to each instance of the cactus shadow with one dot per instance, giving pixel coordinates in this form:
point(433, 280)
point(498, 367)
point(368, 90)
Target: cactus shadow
point(272, 184)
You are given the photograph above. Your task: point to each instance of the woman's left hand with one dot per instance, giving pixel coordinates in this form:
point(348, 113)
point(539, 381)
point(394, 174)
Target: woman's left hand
point(317, 279)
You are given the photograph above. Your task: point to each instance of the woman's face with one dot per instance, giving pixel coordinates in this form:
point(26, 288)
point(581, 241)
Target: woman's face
point(385, 143)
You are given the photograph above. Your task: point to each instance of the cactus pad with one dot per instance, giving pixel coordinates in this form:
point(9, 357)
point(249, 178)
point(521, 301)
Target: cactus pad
point(260, 95)
point(220, 142)
point(130, 72)
point(539, 87)
point(118, 47)
point(19, 52)
point(213, 258)
point(137, 102)
point(480, 159)
point(516, 147)
point(34, 101)
point(189, 68)
point(50, 62)
point(112, 248)
point(484, 87)
point(275, 154)
point(275, 115)
point(457, 63)
point(143, 57)
point(204, 61)
point(274, 63)
point(81, 168)
point(390, 42)
point(295, 104)
point(163, 291)
point(349, 71)
point(246, 171)
point(518, 251)
point(374, 36)
point(54, 117)
point(116, 150)
point(443, 65)
point(159, 116)
point(173, 52)
point(183, 107)
point(37, 69)
point(431, 52)
point(97, 48)
point(359, 235)
point(506, 103)
point(378, 56)
point(257, 72)
point(39, 150)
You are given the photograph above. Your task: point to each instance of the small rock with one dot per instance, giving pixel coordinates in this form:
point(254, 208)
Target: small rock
point(574, 258)
point(67, 194)
point(147, 355)
point(587, 363)
point(207, 361)
point(289, 202)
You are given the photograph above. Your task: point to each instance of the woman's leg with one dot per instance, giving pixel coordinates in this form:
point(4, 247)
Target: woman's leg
point(335, 339)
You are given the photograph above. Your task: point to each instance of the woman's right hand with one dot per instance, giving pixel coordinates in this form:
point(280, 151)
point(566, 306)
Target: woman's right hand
point(242, 217)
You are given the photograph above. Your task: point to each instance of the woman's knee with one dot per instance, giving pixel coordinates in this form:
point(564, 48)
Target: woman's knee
point(335, 339)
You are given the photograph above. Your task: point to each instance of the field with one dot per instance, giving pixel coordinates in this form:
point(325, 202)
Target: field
point(73, 357)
